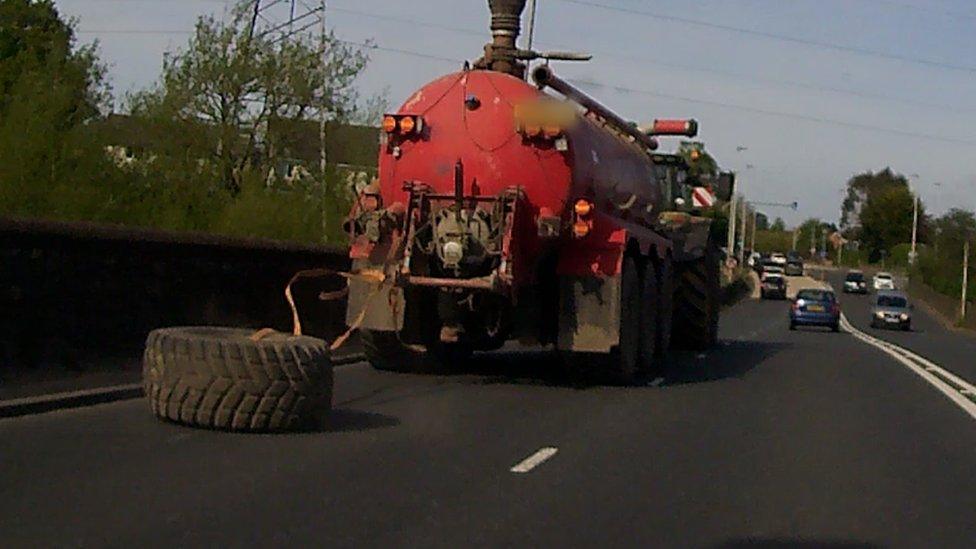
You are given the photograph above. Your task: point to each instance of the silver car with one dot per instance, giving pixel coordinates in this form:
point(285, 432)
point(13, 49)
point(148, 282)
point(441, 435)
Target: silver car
point(891, 309)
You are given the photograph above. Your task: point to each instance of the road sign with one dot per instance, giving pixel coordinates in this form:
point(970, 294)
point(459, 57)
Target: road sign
point(701, 197)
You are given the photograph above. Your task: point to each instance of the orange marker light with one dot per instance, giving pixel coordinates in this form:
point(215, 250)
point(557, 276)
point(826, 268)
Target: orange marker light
point(407, 125)
point(533, 130)
point(583, 207)
point(581, 229)
point(389, 124)
point(552, 132)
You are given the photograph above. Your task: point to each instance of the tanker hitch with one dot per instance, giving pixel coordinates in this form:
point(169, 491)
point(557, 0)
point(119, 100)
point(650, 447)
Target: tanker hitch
point(458, 241)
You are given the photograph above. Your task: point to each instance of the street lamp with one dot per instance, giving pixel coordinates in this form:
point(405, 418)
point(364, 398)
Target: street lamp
point(913, 253)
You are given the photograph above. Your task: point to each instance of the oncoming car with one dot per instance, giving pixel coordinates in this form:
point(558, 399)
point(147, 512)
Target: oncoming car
point(854, 283)
point(883, 281)
point(815, 308)
point(891, 310)
point(794, 267)
point(773, 286)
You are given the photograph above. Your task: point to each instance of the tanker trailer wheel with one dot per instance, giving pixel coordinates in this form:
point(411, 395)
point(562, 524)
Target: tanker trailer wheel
point(697, 302)
point(665, 308)
point(625, 363)
point(650, 302)
point(223, 378)
point(384, 351)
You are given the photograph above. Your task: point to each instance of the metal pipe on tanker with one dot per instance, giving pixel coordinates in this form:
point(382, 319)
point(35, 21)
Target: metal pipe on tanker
point(506, 22)
point(544, 77)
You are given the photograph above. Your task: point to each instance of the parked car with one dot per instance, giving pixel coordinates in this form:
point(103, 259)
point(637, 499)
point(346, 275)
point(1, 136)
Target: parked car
point(883, 281)
point(855, 283)
point(794, 267)
point(773, 286)
point(778, 259)
point(891, 309)
point(815, 308)
point(760, 263)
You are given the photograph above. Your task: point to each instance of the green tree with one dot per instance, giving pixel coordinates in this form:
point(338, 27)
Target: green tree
point(700, 162)
point(886, 219)
point(37, 45)
point(861, 187)
point(940, 264)
point(235, 84)
point(50, 89)
point(778, 225)
point(878, 212)
point(811, 233)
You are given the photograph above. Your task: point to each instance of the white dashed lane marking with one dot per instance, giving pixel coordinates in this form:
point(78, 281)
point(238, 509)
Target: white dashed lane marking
point(534, 460)
point(952, 386)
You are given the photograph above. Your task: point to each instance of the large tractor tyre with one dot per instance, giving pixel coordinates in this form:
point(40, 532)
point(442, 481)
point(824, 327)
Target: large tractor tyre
point(384, 351)
point(665, 308)
point(697, 303)
point(650, 303)
point(222, 378)
point(624, 359)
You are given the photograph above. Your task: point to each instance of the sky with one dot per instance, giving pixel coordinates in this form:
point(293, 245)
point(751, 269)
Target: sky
point(796, 96)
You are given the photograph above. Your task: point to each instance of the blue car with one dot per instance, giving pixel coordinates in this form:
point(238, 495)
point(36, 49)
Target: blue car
point(815, 308)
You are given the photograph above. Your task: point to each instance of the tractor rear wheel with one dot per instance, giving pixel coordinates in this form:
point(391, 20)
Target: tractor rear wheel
point(697, 302)
point(221, 378)
point(650, 319)
point(665, 280)
point(624, 359)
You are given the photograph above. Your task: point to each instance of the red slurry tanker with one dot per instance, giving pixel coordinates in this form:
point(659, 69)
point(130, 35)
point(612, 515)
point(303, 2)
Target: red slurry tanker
point(504, 212)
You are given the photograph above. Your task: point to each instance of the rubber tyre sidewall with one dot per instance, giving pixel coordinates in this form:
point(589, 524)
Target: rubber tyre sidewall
point(220, 378)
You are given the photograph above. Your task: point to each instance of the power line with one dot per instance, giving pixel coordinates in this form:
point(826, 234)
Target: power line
point(680, 66)
point(773, 36)
point(366, 45)
point(917, 8)
point(781, 114)
point(613, 55)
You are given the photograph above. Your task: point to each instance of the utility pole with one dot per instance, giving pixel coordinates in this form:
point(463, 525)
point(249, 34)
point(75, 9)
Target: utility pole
point(965, 281)
point(323, 113)
point(755, 219)
point(733, 209)
point(742, 234)
point(911, 256)
point(530, 35)
point(322, 107)
point(796, 237)
point(530, 32)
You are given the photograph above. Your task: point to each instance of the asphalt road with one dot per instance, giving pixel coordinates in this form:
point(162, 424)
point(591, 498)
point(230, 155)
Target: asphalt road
point(778, 438)
point(952, 349)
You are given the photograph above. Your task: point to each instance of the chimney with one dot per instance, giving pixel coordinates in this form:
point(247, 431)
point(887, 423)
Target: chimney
point(506, 22)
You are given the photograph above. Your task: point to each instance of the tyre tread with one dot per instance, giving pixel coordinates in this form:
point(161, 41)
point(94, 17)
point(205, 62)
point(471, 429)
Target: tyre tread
point(224, 380)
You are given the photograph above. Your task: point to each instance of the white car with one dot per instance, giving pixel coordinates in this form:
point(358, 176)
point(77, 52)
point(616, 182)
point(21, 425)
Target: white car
point(883, 281)
point(771, 271)
point(778, 259)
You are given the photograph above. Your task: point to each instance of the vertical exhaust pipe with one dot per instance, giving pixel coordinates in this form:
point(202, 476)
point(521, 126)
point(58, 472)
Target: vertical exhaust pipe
point(506, 23)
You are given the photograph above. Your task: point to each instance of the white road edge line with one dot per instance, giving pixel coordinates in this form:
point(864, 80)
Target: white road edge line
point(907, 357)
point(534, 460)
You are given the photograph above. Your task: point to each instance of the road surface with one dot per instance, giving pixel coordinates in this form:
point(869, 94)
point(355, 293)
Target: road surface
point(777, 438)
